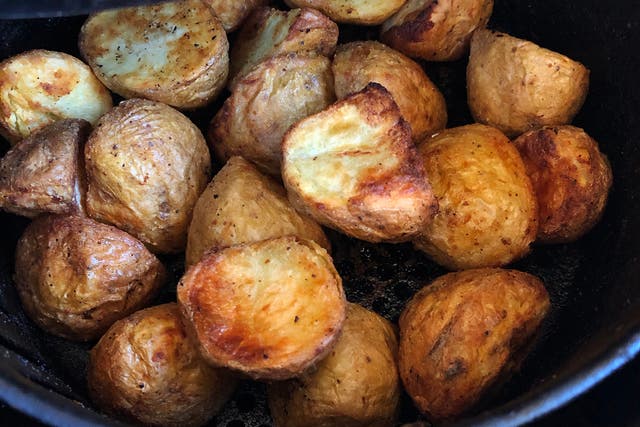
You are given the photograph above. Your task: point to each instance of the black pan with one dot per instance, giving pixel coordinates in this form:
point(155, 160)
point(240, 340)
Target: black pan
point(594, 324)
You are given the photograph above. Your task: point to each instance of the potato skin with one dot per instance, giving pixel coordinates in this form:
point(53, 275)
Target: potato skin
point(75, 276)
point(571, 179)
point(488, 213)
point(357, 384)
point(436, 30)
point(421, 103)
point(146, 166)
point(516, 86)
point(232, 12)
point(147, 369)
point(361, 12)
point(465, 331)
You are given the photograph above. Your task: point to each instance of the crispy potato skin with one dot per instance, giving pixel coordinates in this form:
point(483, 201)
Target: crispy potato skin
point(436, 30)
point(353, 167)
point(146, 369)
point(465, 331)
point(75, 276)
point(516, 86)
point(421, 103)
point(241, 205)
point(174, 52)
point(488, 212)
point(268, 309)
point(357, 384)
point(43, 173)
point(571, 179)
point(232, 12)
point(361, 12)
point(274, 95)
point(39, 87)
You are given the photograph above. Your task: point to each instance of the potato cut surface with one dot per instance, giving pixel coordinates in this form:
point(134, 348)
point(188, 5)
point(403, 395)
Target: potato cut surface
point(232, 12)
point(362, 12)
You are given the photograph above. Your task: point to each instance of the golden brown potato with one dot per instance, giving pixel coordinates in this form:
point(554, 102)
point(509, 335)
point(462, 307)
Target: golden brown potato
point(232, 12)
point(436, 30)
point(362, 12)
point(353, 167)
point(42, 172)
point(146, 369)
point(266, 102)
point(420, 102)
point(269, 309)
point(571, 179)
point(146, 166)
point(173, 52)
point(515, 85)
point(488, 214)
point(40, 87)
point(269, 32)
point(75, 276)
point(357, 384)
point(465, 332)
point(240, 205)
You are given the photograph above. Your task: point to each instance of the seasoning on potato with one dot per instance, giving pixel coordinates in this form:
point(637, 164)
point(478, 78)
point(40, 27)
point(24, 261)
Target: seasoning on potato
point(39, 87)
point(361, 12)
point(516, 85)
point(75, 276)
point(571, 179)
point(268, 309)
point(488, 213)
point(146, 369)
point(146, 166)
point(232, 12)
point(357, 384)
point(464, 333)
point(173, 52)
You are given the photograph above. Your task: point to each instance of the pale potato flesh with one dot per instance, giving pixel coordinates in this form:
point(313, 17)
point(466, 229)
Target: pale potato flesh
point(361, 12)
point(232, 12)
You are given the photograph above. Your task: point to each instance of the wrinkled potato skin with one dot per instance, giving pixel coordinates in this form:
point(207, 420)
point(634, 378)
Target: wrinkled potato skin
point(146, 369)
point(240, 205)
point(421, 103)
point(232, 12)
point(146, 166)
point(436, 30)
point(266, 102)
point(463, 333)
point(361, 12)
point(357, 384)
point(516, 86)
point(488, 213)
point(76, 277)
point(43, 173)
point(571, 179)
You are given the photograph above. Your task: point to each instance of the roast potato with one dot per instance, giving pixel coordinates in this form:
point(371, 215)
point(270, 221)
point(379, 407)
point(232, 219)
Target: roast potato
point(146, 166)
point(232, 12)
point(571, 179)
point(40, 87)
point(361, 12)
point(421, 103)
point(75, 276)
point(516, 86)
point(465, 332)
point(146, 369)
point(240, 205)
point(268, 309)
point(488, 214)
point(353, 167)
point(42, 173)
point(357, 384)
point(173, 52)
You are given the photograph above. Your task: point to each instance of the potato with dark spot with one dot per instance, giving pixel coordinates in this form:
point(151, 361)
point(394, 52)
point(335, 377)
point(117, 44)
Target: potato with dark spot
point(232, 12)
point(360, 12)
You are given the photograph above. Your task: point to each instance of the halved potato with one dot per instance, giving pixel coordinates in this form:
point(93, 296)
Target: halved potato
point(232, 12)
point(173, 52)
point(354, 167)
point(269, 309)
point(361, 12)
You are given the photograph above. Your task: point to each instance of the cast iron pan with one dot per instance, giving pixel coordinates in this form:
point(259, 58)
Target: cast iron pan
point(594, 324)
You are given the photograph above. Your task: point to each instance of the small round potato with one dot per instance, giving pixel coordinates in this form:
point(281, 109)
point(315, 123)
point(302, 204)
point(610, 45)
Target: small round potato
point(146, 166)
point(516, 86)
point(356, 385)
point(232, 12)
point(76, 277)
point(488, 213)
point(571, 179)
point(421, 104)
point(268, 309)
point(464, 333)
point(361, 12)
point(436, 30)
point(146, 369)
point(40, 87)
